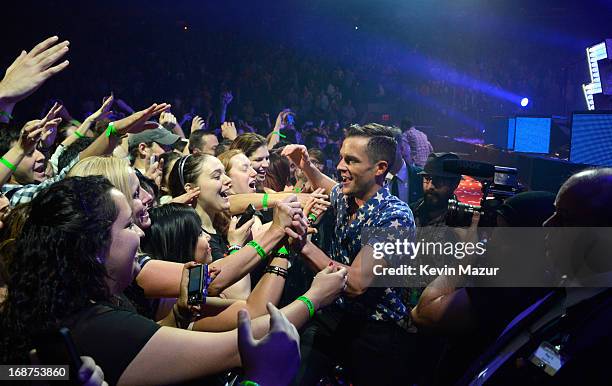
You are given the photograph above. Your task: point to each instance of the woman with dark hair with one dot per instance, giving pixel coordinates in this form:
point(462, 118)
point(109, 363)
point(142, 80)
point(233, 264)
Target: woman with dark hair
point(208, 174)
point(176, 234)
point(74, 257)
point(169, 159)
point(278, 174)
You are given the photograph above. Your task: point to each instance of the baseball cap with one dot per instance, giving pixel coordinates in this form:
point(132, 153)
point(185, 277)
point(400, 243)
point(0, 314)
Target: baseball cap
point(158, 135)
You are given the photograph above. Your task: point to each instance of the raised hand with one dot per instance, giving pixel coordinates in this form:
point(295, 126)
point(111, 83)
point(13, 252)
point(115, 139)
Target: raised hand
point(197, 124)
point(281, 119)
point(31, 69)
point(155, 171)
point(30, 135)
point(228, 130)
point(274, 359)
point(137, 122)
point(239, 236)
point(227, 98)
point(105, 110)
point(298, 154)
point(167, 120)
point(189, 198)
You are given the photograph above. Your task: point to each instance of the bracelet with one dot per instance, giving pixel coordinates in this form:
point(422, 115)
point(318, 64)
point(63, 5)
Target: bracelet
point(264, 201)
point(78, 135)
point(279, 134)
point(233, 249)
point(111, 130)
point(75, 122)
point(248, 383)
point(260, 251)
point(8, 164)
point(297, 189)
point(276, 270)
point(312, 217)
point(308, 302)
point(5, 114)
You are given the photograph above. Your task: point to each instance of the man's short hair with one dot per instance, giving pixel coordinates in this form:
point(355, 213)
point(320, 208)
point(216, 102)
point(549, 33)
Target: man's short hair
point(406, 123)
point(381, 146)
point(197, 141)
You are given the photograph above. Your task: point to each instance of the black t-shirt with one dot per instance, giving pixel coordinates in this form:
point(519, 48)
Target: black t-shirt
point(112, 336)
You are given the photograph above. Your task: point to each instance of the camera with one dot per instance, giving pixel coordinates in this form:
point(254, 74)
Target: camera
point(498, 184)
point(198, 285)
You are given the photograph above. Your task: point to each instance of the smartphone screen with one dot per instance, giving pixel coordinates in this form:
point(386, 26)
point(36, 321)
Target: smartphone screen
point(194, 294)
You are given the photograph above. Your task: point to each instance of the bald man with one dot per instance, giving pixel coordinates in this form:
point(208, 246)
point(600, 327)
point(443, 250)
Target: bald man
point(566, 334)
point(581, 253)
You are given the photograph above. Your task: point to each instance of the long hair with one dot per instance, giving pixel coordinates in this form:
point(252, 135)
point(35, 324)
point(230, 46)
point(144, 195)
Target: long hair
point(186, 170)
point(55, 271)
point(278, 172)
point(173, 234)
point(115, 169)
point(13, 224)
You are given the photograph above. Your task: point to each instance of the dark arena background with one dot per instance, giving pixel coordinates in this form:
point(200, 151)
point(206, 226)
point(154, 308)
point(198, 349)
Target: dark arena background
point(478, 115)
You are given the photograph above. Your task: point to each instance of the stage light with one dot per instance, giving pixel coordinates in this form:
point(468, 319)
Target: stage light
point(524, 102)
point(594, 54)
point(356, 27)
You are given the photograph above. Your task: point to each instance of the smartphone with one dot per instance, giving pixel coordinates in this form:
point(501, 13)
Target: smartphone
point(246, 216)
point(290, 119)
point(197, 289)
point(152, 160)
point(58, 348)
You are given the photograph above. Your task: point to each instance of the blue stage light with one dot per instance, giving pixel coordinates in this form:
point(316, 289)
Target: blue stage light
point(524, 102)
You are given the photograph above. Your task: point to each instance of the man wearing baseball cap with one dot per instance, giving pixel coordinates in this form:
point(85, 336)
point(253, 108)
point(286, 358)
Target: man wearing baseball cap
point(438, 187)
point(147, 144)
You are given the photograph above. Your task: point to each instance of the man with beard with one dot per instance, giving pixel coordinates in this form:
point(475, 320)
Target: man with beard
point(438, 187)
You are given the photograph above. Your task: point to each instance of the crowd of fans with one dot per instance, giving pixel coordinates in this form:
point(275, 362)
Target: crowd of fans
point(104, 221)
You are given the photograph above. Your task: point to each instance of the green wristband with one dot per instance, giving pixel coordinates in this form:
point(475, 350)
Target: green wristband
point(75, 122)
point(279, 134)
point(264, 201)
point(259, 249)
point(311, 309)
point(297, 190)
point(111, 130)
point(8, 164)
point(5, 114)
point(78, 135)
point(249, 383)
point(312, 217)
point(282, 251)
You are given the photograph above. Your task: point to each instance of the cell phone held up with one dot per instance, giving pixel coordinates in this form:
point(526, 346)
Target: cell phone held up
point(246, 216)
point(197, 289)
